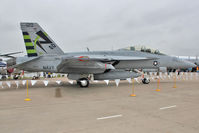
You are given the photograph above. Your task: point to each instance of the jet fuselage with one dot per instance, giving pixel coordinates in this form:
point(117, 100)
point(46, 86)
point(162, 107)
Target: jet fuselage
point(50, 63)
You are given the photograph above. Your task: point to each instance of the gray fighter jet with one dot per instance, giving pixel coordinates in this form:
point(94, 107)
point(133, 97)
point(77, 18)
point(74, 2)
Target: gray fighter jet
point(44, 55)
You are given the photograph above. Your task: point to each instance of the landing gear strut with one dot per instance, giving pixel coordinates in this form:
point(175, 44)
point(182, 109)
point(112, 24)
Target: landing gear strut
point(83, 82)
point(145, 81)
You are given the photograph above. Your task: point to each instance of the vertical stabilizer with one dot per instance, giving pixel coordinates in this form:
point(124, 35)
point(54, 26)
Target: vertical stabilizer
point(37, 41)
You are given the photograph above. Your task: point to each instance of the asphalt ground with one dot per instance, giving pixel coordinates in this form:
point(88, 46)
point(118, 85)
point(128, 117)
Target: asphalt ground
point(101, 108)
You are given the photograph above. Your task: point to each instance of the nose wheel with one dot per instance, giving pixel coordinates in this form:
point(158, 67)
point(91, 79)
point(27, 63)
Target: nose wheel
point(145, 81)
point(83, 82)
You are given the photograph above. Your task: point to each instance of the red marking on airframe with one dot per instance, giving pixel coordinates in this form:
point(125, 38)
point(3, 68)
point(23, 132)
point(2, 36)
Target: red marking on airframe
point(81, 58)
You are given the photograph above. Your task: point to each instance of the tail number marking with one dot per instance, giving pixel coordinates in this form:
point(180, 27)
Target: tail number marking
point(52, 46)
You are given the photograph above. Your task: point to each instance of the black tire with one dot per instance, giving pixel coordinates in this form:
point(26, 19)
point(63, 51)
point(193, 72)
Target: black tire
point(15, 77)
point(81, 84)
point(145, 81)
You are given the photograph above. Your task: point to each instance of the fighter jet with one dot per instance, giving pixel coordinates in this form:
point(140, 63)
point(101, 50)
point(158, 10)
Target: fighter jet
point(44, 55)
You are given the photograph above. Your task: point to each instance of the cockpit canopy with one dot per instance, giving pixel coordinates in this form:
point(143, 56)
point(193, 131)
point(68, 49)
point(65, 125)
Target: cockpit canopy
point(142, 49)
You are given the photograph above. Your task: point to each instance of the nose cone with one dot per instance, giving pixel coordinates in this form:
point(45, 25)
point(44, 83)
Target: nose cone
point(176, 63)
point(188, 64)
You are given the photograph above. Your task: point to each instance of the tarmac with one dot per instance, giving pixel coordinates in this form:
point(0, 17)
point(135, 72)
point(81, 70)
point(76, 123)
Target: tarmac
point(101, 108)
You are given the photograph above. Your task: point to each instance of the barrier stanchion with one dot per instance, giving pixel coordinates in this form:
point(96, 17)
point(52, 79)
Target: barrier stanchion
point(158, 83)
point(174, 82)
point(133, 88)
point(27, 97)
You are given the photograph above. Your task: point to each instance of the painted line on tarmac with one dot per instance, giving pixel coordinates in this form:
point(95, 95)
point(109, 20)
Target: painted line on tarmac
point(108, 117)
point(168, 107)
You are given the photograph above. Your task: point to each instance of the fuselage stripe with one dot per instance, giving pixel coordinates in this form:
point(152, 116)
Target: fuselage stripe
point(25, 33)
point(29, 51)
point(26, 36)
point(32, 54)
point(27, 40)
point(28, 44)
point(30, 47)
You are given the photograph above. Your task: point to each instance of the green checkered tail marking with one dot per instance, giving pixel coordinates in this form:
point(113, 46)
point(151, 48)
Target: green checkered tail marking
point(31, 51)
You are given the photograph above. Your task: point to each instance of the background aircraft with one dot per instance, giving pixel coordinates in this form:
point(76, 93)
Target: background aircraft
point(4, 70)
point(43, 54)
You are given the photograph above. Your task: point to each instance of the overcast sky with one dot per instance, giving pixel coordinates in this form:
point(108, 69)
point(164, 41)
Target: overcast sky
point(172, 26)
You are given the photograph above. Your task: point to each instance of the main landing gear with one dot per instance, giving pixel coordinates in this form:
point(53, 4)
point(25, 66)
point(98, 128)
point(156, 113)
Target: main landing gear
point(83, 82)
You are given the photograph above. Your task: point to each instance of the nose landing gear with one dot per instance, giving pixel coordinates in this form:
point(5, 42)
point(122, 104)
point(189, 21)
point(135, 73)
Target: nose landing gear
point(145, 81)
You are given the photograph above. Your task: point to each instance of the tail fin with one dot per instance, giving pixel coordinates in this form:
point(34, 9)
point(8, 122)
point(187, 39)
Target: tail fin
point(37, 41)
